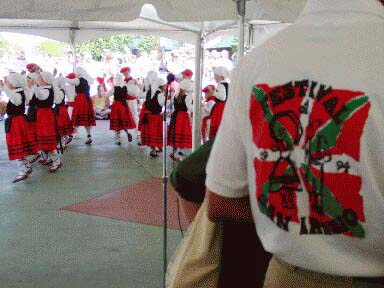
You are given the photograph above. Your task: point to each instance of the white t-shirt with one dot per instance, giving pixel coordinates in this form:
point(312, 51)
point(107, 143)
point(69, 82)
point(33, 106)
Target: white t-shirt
point(302, 134)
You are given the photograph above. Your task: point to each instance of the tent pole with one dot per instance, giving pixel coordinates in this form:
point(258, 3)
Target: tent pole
point(199, 61)
point(72, 37)
point(73, 48)
point(241, 6)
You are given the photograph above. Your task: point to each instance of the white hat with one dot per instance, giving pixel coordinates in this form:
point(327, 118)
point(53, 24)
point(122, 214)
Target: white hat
point(221, 71)
point(186, 85)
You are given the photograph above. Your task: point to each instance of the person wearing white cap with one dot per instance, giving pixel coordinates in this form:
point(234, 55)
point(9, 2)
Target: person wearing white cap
point(180, 130)
point(83, 113)
point(152, 125)
point(47, 136)
point(121, 117)
point(64, 123)
point(19, 137)
point(220, 74)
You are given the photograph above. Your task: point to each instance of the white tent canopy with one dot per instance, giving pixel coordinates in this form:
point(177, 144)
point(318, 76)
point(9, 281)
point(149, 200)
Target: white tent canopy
point(58, 20)
point(168, 10)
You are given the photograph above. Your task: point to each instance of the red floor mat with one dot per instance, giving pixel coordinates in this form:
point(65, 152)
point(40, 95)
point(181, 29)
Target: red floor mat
point(141, 203)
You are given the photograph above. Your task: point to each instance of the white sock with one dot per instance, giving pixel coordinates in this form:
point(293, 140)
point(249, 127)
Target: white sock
point(21, 167)
point(55, 158)
point(88, 129)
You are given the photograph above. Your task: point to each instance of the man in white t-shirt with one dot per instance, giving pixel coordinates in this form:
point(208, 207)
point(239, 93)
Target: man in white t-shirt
point(302, 139)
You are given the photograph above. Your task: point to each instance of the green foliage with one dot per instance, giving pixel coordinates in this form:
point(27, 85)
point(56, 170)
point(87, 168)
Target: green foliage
point(4, 44)
point(116, 43)
point(53, 48)
point(147, 43)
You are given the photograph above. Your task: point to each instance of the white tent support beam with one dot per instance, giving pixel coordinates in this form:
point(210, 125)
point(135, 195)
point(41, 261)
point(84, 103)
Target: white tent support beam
point(199, 62)
point(178, 27)
point(251, 35)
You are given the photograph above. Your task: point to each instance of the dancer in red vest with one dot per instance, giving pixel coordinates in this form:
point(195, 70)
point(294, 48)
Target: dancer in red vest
point(83, 113)
point(152, 125)
point(221, 94)
point(121, 117)
point(180, 130)
point(20, 139)
point(209, 103)
point(46, 125)
point(64, 123)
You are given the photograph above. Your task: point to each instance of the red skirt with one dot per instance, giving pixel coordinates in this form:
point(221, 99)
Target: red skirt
point(20, 139)
point(46, 136)
point(180, 130)
point(121, 117)
point(83, 113)
point(64, 124)
point(216, 116)
point(204, 126)
point(152, 130)
point(141, 115)
point(32, 127)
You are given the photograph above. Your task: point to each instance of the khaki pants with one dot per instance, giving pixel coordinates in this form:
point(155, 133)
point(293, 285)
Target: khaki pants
point(283, 275)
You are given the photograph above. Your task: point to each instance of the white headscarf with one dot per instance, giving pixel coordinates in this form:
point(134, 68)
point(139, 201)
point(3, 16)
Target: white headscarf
point(221, 71)
point(60, 82)
point(50, 79)
point(119, 80)
point(151, 77)
point(81, 73)
point(186, 85)
point(19, 81)
point(33, 76)
point(155, 84)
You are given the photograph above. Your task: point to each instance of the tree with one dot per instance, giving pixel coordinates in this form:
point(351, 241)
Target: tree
point(53, 48)
point(147, 43)
point(4, 44)
point(117, 43)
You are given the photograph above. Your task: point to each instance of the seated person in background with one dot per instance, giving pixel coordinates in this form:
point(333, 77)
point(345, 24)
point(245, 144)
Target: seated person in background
point(101, 104)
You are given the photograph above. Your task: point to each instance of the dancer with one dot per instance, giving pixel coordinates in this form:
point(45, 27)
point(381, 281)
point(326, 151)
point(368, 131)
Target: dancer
point(152, 125)
point(83, 113)
point(180, 130)
point(64, 123)
point(31, 111)
point(47, 135)
point(151, 76)
point(121, 117)
point(20, 139)
point(208, 104)
point(133, 94)
point(221, 94)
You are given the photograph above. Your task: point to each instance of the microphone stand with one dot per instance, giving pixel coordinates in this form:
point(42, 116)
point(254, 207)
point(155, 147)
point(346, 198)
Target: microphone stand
point(165, 187)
